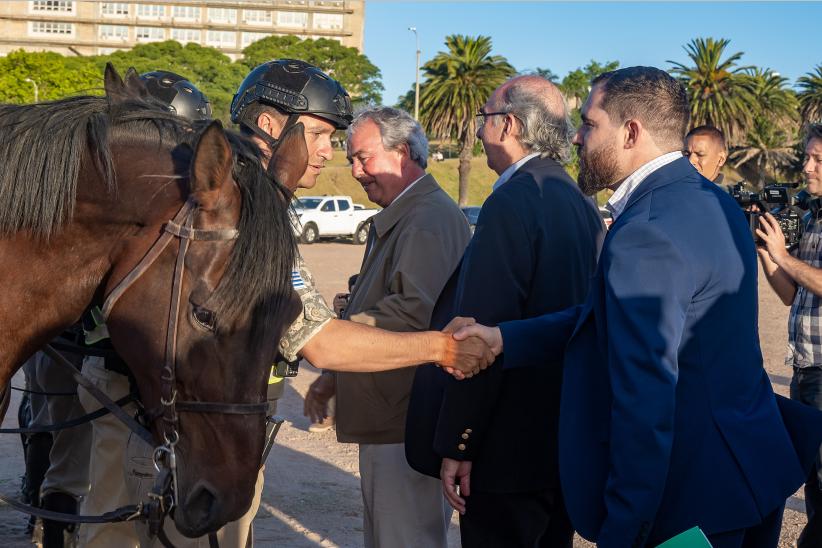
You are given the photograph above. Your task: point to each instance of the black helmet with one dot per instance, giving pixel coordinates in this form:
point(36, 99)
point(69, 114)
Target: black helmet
point(182, 97)
point(296, 88)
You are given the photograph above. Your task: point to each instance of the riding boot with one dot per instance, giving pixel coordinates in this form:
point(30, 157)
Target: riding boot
point(38, 447)
point(53, 531)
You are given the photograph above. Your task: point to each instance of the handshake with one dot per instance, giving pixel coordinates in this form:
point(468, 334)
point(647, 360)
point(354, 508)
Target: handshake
point(472, 348)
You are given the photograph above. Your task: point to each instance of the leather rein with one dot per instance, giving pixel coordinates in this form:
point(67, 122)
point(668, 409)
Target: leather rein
point(165, 458)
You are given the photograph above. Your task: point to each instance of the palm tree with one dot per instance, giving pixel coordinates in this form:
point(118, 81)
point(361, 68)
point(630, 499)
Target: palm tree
point(457, 84)
point(772, 96)
point(720, 92)
point(767, 150)
point(810, 98)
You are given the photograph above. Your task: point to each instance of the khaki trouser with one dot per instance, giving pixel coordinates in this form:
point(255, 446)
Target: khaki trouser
point(108, 442)
point(122, 472)
point(68, 469)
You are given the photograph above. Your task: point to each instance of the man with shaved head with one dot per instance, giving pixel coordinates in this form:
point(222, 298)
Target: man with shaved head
point(706, 149)
point(534, 250)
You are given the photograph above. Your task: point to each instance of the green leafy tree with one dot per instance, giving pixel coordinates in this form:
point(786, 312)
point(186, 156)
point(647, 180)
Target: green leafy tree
point(457, 83)
point(772, 96)
point(810, 95)
point(211, 71)
point(359, 77)
point(54, 75)
point(577, 84)
point(720, 92)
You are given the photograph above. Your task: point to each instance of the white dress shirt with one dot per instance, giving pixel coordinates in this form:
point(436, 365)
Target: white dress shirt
point(617, 202)
point(510, 170)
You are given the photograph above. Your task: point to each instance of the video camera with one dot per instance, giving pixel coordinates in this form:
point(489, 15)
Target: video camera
point(774, 199)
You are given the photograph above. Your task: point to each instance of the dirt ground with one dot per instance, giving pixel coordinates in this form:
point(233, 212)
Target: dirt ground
point(311, 495)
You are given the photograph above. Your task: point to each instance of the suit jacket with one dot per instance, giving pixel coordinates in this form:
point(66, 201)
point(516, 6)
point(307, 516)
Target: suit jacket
point(668, 419)
point(534, 251)
point(417, 242)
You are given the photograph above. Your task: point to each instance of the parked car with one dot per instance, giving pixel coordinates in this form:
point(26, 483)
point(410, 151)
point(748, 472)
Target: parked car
point(330, 216)
point(471, 213)
point(607, 218)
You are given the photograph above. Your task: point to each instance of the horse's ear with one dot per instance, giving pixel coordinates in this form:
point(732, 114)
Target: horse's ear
point(113, 84)
point(134, 84)
point(290, 160)
point(211, 166)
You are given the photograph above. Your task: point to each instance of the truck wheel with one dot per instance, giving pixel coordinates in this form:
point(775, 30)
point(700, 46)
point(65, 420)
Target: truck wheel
point(361, 235)
point(310, 234)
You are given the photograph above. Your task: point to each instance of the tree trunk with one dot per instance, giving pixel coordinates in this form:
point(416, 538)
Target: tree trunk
point(466, 153)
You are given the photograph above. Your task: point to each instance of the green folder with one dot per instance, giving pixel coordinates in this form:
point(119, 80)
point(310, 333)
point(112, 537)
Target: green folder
point(692, 538)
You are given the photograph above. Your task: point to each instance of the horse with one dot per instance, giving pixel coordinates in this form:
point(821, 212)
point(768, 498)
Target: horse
point(94, 187)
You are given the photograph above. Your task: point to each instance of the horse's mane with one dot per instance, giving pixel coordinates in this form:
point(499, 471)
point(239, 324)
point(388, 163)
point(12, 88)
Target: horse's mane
point(42, 147)
point(258, 276)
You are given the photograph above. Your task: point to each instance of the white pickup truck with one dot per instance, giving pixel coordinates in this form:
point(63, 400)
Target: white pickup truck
point(331, 216)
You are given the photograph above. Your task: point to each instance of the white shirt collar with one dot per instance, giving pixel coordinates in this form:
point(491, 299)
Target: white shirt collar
point(619, 199)
point(406, 189)
point(510, 170)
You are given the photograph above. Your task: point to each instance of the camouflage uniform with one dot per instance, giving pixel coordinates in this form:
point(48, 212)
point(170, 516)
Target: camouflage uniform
point(316, 312)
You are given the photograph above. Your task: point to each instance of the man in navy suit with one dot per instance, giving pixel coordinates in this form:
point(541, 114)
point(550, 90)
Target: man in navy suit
point(667, 418)
point(534, 251)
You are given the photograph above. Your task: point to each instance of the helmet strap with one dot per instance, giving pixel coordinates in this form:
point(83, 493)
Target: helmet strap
point(272, 143)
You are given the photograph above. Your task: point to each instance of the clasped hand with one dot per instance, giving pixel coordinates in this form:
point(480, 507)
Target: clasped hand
point(474, 347)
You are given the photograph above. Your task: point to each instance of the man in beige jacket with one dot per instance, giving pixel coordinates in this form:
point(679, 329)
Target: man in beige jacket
point(413, 247)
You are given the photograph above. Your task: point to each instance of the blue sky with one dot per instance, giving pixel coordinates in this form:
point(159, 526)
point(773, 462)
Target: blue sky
point(563, 36)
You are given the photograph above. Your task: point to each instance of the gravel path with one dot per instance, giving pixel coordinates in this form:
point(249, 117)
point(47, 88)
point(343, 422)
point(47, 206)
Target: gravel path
point(311, 495)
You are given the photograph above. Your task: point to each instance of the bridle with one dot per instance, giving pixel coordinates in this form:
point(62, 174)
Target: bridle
point(165, 493)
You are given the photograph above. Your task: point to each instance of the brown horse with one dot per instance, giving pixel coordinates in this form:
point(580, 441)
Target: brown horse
point(88, 186)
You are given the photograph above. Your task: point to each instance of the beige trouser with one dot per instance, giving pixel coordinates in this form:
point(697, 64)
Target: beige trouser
point(122, 470)
point(68, 468)
point(401, 507)
point(108, 442)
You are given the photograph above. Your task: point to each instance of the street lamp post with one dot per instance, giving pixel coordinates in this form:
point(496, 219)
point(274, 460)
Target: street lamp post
point(36, 90)
point(417, 86)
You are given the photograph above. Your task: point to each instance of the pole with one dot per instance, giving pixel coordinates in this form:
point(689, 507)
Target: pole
point(36, 90)
point(417, 85)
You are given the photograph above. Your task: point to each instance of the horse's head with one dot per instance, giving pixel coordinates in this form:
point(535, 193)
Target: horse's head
point(199, 323)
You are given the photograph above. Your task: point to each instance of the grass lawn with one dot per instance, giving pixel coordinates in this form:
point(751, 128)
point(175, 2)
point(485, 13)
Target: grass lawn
point(336, 179)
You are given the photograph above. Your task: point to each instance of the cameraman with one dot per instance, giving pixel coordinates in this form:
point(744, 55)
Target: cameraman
point(797, 279)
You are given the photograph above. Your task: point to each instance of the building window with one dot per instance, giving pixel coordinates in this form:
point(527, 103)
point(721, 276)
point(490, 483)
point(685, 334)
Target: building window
point(114, 9)
point(150, 11)
point(251, 37)
point(328, 21)
point(184, 36)
point(221, 39)
point(185, 13)
point(257, 17)
point(63, 7)
point(292, 19)
point(222, 15)
point(50, 28)
point(113, 32)
point(150, 34)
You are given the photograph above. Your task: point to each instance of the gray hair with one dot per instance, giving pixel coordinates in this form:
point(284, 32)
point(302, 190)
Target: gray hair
point(546, 127)
point(397, 128)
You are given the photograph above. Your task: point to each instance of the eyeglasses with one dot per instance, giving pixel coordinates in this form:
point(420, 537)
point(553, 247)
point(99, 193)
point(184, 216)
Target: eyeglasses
point(481, 116)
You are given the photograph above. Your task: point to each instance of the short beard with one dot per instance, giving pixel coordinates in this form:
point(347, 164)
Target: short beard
point(597, 169)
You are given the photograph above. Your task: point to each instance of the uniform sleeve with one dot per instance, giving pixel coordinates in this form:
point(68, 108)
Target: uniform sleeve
point(316, 313)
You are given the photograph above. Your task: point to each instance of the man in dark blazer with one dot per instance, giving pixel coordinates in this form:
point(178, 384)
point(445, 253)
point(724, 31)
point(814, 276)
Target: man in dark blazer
point(533, 251)
point(667, 419)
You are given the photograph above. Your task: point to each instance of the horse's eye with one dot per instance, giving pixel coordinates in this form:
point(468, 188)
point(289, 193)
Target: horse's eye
point(205, 317)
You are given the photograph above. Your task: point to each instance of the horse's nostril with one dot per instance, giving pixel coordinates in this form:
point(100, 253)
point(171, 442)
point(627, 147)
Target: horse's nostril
point(201, 504)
